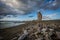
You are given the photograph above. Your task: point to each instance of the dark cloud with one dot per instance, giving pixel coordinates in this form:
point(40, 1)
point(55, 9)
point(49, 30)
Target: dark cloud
point(1, 16)
point(27, 6)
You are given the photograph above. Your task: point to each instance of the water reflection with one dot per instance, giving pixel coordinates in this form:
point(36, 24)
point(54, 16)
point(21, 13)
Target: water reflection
point(9, 24)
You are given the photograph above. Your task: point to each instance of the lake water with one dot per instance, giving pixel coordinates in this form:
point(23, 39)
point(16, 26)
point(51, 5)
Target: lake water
point(9, 24)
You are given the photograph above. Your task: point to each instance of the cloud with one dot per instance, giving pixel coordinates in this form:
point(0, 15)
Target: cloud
point(52, 5)
point(1, 16)
point(49, 16)
point(10, 19)
point(15, 6)
point(52, 15)
point(23, 7)
point(46, 18)
point(10, 7)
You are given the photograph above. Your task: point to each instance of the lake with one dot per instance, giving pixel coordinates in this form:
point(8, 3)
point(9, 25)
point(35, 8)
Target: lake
point(9, 24)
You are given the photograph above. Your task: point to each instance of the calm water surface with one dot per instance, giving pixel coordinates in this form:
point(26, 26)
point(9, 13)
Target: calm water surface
point(9, 24)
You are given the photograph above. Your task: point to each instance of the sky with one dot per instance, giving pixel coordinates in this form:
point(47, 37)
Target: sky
point(27, 10)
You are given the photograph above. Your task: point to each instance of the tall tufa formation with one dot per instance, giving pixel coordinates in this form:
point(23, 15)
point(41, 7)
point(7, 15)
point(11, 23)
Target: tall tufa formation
point(39, 16)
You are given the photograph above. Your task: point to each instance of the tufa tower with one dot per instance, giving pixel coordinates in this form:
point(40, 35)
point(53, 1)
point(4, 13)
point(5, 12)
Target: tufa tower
point(39, 16)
